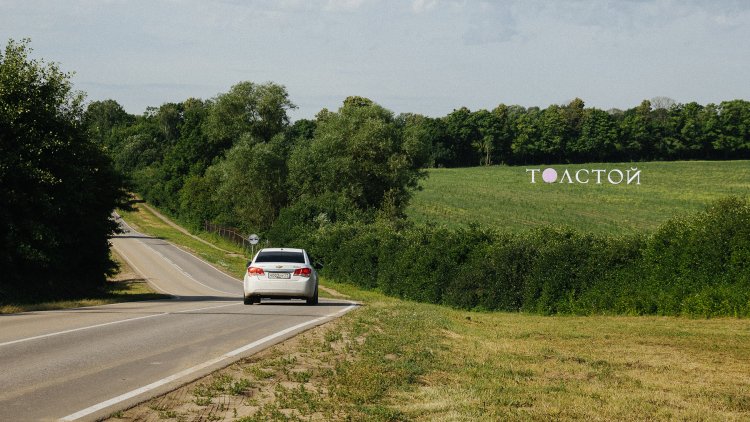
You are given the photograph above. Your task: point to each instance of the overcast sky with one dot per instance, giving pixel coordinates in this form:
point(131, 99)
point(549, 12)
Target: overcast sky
point(423, 56)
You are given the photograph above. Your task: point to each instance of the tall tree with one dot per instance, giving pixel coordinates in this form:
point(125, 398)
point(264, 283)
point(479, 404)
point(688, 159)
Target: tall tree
point(57, 187)
point(554, 127)
point(504, 118)
point(525, 146)
point(259, 110)
point(598, 139)
point(462, 133)
point(357, 154)
point(637, 133)
point(734, 119)
point(103, 119)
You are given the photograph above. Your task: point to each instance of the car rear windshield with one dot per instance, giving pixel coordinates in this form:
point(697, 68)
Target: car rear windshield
point(294, 257)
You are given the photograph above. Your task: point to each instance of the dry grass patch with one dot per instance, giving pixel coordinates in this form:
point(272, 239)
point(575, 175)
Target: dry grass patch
point(504, 366)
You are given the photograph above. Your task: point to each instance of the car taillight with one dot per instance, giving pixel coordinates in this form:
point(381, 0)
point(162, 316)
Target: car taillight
point(304, 272)
point(255, 271)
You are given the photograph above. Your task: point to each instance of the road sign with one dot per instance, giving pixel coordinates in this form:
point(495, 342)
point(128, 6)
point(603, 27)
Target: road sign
point(253, 238)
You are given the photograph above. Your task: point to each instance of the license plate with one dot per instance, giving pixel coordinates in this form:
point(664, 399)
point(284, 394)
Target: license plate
point(279, 275)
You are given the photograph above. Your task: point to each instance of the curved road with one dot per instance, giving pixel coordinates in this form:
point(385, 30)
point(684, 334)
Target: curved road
point(85, 363)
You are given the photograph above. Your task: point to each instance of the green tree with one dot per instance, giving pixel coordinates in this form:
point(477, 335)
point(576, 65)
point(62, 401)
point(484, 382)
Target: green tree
point(502, 131)
point(259, 110)
point(417, 136)
point(710, 129)
point(250, 184)
point(357, 154)
point(462, 134)
point(57, 187)
point(491, 134)
point(637, 133)
point(525, 146)
point(734, 119)
point(104, 120)
point(553, 133)
point(430, 133)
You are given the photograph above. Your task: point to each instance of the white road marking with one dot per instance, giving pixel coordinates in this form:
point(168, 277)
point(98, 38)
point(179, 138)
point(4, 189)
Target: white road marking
point(187, 274)
point(88, 327)
point(196, 368)
point(170, 262)
point(150, 280)
point(7, 343)
point(183, 250)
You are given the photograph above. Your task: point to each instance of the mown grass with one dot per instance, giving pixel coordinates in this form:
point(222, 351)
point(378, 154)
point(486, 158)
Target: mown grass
point(502, 196)
point(412, 361)
point(126, 286)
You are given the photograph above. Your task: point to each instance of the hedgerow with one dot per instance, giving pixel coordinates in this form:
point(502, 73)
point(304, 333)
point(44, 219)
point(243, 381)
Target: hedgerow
point(696, 265)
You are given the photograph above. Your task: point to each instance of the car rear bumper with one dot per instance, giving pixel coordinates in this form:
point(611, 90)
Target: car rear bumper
point(279, 288)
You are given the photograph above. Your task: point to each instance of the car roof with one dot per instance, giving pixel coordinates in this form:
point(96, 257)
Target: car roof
point(281, 250)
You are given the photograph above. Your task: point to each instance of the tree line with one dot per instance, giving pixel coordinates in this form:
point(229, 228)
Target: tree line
point(236, 159)
point(573, 133)
point(338, 186)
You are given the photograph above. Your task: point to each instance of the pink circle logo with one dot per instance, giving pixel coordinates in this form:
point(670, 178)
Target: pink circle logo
point(549, 175)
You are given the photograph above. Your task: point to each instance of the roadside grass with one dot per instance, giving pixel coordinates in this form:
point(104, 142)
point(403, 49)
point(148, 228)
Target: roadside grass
point(398, 360)
point(395, 360)
point(502, 196)
point(125, 286)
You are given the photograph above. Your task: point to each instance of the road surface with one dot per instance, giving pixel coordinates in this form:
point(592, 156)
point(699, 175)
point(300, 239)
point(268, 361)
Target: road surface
point(85, 363)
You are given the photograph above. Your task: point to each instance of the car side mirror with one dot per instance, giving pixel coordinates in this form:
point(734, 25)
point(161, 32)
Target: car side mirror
point(318, 265)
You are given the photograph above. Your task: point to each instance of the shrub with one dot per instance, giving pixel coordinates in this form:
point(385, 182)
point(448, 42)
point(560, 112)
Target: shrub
point(695, 265)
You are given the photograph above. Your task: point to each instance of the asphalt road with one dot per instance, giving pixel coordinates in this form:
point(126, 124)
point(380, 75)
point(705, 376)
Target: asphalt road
point(85, 363)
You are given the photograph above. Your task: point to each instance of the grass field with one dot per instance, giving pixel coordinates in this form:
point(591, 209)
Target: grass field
point(400, 360)
point(503, 196)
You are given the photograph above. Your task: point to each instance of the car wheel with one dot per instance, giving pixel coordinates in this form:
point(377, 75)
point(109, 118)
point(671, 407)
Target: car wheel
point(249, 300)
point(313, 300)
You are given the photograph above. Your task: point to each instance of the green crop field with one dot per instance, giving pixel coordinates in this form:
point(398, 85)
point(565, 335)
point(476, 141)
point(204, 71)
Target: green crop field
point(504, 197)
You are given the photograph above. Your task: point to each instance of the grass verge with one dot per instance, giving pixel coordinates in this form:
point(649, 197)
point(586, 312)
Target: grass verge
point(399, 360)
point(224, 255)
point(125, 286)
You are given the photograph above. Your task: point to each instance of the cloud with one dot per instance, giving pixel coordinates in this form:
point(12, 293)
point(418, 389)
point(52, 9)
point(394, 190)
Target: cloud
point(335, 5)
point(420, 6)
point(489, 22)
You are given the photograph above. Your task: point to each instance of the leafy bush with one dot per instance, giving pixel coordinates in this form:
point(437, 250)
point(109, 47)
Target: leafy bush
point(696, 265)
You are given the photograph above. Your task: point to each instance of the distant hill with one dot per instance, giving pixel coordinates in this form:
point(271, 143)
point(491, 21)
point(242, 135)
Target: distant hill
point(503, 196)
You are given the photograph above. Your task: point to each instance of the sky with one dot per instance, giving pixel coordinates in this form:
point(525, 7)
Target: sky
point(420, 56)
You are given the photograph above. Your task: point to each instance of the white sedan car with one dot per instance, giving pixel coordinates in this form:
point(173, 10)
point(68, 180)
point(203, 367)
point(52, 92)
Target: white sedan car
point(281, 273)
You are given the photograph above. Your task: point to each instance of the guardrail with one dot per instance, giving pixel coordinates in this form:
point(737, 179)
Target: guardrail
point(231, 234)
